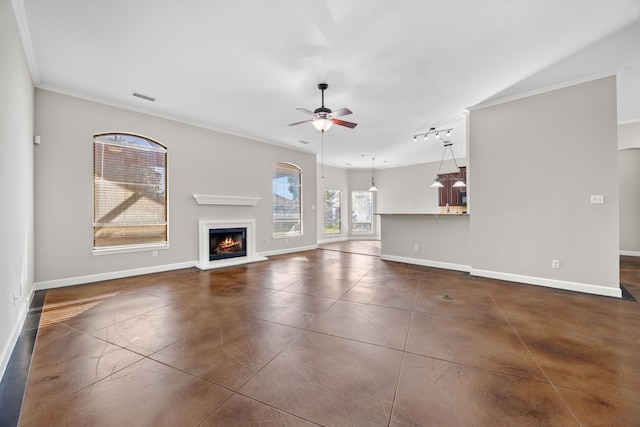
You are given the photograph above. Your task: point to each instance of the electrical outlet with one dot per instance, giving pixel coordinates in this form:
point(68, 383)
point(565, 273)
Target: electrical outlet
point(555, 263)
point(154, 254)
point(597, 199)
point(416, 248)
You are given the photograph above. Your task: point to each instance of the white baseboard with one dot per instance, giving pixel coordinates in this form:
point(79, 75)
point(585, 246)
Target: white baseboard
point(426, 262)
point(79, 280)
point(287, 251)
point(10, 344)
point(337, 239)
point(630, 253)
point(529, 280)
point(550, 283)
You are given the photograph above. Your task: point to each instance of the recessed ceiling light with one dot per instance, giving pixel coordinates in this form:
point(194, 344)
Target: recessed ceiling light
point(145, 97)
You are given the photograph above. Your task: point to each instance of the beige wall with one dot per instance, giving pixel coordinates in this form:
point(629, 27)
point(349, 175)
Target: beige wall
point(200, 161)
point(535, 163)
point(16, 183)
point(629, 173)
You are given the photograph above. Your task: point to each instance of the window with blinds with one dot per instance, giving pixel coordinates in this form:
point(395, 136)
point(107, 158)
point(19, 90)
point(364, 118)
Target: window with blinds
point(130, 191)
point(361, 211)
point(286, 185)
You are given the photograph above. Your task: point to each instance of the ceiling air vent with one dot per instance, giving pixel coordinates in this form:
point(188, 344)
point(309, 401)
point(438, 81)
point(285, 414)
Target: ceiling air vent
point(141, 96)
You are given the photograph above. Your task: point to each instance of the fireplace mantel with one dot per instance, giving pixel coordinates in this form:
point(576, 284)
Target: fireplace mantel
point(204, 225)
point(208, 199)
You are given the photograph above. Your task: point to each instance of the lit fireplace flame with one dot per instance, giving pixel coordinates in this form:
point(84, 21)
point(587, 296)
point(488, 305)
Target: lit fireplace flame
point(227, 242)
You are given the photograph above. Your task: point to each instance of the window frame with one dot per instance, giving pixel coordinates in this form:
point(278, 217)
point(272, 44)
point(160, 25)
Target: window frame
point(286, 166)
point(324, 213)
point(155, 146)
point(352, 222)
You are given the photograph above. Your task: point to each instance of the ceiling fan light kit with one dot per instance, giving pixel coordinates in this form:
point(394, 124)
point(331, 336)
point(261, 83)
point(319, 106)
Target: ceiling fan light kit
point(322, 124)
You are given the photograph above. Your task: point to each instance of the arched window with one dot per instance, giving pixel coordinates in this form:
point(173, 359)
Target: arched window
point(286, 184)
point(129, 192)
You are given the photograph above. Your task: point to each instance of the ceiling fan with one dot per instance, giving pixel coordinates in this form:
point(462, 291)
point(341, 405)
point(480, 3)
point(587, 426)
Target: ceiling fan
point(323, 117)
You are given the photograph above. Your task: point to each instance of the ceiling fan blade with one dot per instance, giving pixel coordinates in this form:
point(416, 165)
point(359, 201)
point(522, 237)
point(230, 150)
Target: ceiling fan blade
point(297, 123)
point(350, 125)
point(342, 112)
point(304, 110)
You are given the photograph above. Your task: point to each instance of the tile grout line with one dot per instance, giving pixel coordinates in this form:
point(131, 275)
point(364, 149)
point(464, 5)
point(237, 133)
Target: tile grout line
point(404, 354)
point(555, 389)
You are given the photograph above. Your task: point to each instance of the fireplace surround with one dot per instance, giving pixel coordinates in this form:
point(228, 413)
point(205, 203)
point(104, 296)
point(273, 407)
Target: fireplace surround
point(237, 246)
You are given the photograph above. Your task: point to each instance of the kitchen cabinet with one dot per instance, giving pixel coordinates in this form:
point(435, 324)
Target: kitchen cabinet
point(448, 194)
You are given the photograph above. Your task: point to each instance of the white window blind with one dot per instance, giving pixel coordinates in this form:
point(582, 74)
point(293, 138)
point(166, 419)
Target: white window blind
point(130, 191)
point(361, 211)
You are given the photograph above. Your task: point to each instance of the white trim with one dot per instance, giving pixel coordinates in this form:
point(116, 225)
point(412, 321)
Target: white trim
point(337, 239)
point(207, 199)
point(150, 112)
point(426, 262)
point(630, 253)
point(129, 249)
point(371, 236)
point(221, 263)
point(550, 283)
point(289, 250)
point(543, 90)
point(25, 35)
point(79, 280)
point(10, 344)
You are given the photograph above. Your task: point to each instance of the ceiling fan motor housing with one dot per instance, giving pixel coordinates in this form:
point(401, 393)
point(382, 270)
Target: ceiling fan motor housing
point(322, 111)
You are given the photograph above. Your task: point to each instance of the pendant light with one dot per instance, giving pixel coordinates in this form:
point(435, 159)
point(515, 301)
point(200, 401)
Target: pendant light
point(459, 183)
point(373, 183)
point(436, 181)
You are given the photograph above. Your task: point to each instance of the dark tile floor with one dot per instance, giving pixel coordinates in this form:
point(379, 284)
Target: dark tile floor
point(334, 338)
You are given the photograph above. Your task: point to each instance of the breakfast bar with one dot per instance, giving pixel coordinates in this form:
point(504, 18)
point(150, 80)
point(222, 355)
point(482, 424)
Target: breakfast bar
point(433, 240)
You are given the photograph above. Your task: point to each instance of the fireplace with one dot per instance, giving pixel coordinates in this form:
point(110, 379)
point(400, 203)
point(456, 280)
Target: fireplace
point(227, 243)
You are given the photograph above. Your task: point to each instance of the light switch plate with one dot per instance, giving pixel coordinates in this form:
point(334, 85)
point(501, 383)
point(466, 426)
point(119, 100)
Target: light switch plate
point(597, 199)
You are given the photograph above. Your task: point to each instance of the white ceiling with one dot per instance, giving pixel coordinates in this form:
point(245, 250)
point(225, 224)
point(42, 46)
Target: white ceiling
point(243, 66)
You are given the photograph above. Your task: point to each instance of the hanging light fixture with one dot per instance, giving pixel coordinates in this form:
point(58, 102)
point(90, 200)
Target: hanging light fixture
point(322, 124)
point(459, 182)
point(373, 183)
point(436, 181)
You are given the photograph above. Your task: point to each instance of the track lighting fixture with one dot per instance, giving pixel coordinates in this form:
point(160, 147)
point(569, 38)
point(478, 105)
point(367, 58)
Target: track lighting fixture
point(434, 131)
